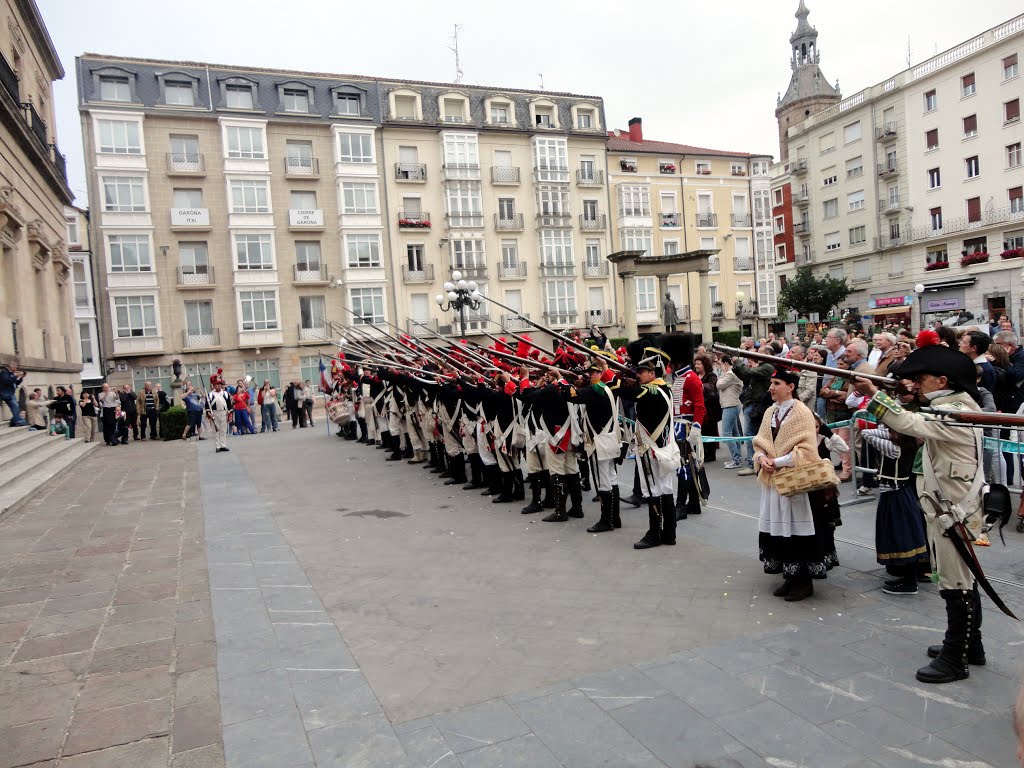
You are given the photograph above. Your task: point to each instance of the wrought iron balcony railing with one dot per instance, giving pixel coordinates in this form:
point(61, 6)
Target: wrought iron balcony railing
point(595, 268)
point(742, 220)
point(798, 166)
point(515, 271)
point(599, 317)
point(513, 223)
point(313, 333)
point(516, 323)
point(310, 273)
point(888, 169)
point(425, 274)
point(558, 269)
point(411, 171)
point(196, 277)
point(593, 223)
point(194, 339)
point(708, 220)
point(422, 327)
point(885, 132)
point(589, 178)
point(35, 122)
point(413, 220)
point(302, 166)
point(185, 163)
point(504, 175)
point(743, 264)
point(671, 220)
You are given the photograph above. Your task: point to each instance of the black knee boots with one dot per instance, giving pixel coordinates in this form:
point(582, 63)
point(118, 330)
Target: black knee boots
point(953, 658)
point(680, 501)
point(636, 499)
point(584, 470)
point(558, 491)
point(396, 448)
point(385, 441)
point(574, 490)
point(605, 523)
point(456, 470)
point(518, 489)
point(616, 519)
point(668, 523)
point(506, 481)
point(535, 491)
point(362, 431)
point(546, 485)
point(492, 478)
point(476, 473)
point(975, 653)
point(653, 536)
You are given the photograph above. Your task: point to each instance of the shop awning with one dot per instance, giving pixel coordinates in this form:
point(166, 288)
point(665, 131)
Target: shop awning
point(889, 311)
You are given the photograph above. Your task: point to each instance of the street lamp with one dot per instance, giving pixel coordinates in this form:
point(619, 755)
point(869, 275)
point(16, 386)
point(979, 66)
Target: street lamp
point(919, 290)
point(740, 309)
point(458, 295)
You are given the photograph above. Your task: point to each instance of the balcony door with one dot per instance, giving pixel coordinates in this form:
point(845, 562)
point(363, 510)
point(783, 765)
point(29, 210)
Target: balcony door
point(595, 304)
point(419, 307)
point(590, 210)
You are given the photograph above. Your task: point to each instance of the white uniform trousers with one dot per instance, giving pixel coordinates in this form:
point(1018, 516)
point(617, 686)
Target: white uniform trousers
point(483, 447)
point(537, 459)
point(562, 463)
point(415, 440)
point(663, 482)
point(606, 474)
point(220, 428)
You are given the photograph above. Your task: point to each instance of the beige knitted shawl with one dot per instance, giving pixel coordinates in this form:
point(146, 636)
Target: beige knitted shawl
point(797, 433)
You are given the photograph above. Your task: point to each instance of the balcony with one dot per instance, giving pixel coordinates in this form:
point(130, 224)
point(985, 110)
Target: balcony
point(305, 219)
point(743, 264)
point(196, 277)
point(504, 175)
point(185, 164)
point(554, 220)
point(714, 264)
point(597, 222)
point(707, 220)
point(411, 171)
point(421, 328)
point(589, 178)
point(9, 79)
point(197, 219)
point(599, 317)
point(885, 132)
point(460, 172)
point(515, 271)
point(595, 269)
point(805, 257)
point(413, 220)
point(717, 310)
point(513, 223)
point(472, 271)
point(423, 275)
point(516, 323)
point(557, 269)
point(798, 166)
point(200, 339)
point(301, 168)
point(802, 228)
point(318, 334)
point(742, 220)
point(671, 220)
point(889, 241)
point(739, 172)
point(464, 220)
point(560, 318)
point(802, 198)
point(1005, 215)
point(310, 274)
point(887, 170)
point(546, 173)
point(890, 204)
point(35, 123)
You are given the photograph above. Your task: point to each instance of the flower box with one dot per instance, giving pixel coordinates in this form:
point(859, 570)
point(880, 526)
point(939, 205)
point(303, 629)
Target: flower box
point(1012, 253)
point(667, 168)
point(936, 265)
point(414, 223)
point(977, 257)
point(704, 171)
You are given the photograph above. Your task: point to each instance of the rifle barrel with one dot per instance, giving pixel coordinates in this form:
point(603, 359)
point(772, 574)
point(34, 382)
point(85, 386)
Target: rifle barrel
point(880, 381)
point(977, 418)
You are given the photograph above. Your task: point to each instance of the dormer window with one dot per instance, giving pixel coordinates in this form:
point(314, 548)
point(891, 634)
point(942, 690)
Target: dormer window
point(405, 105)
point(295, 100)
point(179, 94)
point(584, 119)
point(238, 96)
point(454, 110)
point(346, 104)
point(499, 113)
point(115, 88)
point(544, 117)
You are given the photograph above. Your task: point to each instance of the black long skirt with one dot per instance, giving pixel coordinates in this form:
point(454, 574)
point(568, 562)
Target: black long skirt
point(813, 556)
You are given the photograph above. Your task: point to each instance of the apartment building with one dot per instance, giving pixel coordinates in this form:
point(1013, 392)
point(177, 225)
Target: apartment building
point(36, 318)
point(247, 214)
point(916, 183)
point(674, 198)
point(80, 252)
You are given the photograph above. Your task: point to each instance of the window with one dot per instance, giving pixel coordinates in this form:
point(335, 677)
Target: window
point(646, 294)
point(179, 94)
point(592, 249)
point(81, 283)
point(263, 369)
point(130, 253)
point(194, 258)
point(367, 305)
point(931, 101)
point(468, 254)
point(855, 201)
point(854, 167)
point(970, 126)
point(1016, 195)
point(303, 201)
point(1011, 111)
point(780, 252)
point(135, 316)
point(199, 318)
point(827, 143)
point(560, 297)
point(590, 210)
point(506, 208)
point(295, 100)
point(253, 252)
point(346, 104)
point(670, 247)
point(851, 132)
point(974, 209)
point(551, 155)
point(309, 369)
point(637, 240)
point(836, 272)
point(414, 257)
point(188, 198)
point(356, 147)
point(934, 178)
point(249, 196)
point(894, 230)
point(184, 151)
point(553, 200)
point(313, 312)
point(238, 96)
point(259, 310)
point(894, 195)
point(972, 167)
point(829, 178)
point(634, 201)
point(405, 108)
point(1014, 240)
point(967, 85)
point(1010, 69)
point(777, 197)
point(780, 225)
point(454, 110)
point(499, 112)
point(245, 142)
point(861, 270)
point(461, 149)
point(931, 139)
point(937, 256)
point(584, 119)
point(703, 169)
point(363, 250)
point(858, 235)
point(555, 247)
point(115, 89)
point(1013, 155)
point(123, 194)
point(544, 117)
point(509, 254)
point(737, 169)
point(307, 256)
point(976, 245)
point(85, 337)
point(119, 137)
point(832, 242)
point(935, 217)
point(299, 157)
point(830, 208)
point(72, 229)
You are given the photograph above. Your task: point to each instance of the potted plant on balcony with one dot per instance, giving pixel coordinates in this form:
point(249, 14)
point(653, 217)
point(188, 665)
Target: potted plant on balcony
point(1012, 253)
point(973, 257)
point(414, 223)
point(667, 168)
point(936, 265)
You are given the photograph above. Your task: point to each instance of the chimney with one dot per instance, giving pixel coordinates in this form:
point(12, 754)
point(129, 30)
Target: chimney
point(636, 129)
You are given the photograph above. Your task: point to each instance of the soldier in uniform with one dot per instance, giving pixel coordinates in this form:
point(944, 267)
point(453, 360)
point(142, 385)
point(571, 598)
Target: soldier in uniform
point(688, 413)
point(601, 442)
point(950, 494)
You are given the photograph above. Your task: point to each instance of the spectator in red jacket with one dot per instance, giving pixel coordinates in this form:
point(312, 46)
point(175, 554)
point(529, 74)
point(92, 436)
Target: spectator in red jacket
point(240, 405)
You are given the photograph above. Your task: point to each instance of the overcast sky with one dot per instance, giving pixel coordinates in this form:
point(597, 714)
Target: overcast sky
point(706, 73)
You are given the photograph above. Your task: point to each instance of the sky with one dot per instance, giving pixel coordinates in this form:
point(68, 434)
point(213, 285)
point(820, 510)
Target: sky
point(706, 74)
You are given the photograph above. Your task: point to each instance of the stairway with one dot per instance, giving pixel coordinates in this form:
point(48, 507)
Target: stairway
point(29, 459)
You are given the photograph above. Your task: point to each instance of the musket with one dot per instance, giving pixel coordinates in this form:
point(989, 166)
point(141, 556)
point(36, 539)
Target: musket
point(575, 344)
point(527, 361)
point(454, 362)
point(517, 337)
point(976, 419)
point(880, 381)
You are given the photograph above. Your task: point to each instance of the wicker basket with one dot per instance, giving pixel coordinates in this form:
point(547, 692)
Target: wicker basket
point(790, 481)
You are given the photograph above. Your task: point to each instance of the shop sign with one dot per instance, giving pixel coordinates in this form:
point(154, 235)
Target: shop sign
point(889, 301)
point(942, 305)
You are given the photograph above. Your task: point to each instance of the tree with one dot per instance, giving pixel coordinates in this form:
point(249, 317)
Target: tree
point(806, 293)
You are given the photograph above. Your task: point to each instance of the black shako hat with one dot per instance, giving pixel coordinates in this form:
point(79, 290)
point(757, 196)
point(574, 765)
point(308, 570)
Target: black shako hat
point(788, 375)
point(939, 360)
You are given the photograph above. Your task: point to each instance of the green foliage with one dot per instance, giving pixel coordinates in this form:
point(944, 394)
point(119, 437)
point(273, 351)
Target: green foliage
point(172, 423)
point(619, 341)
point(728, 338)
point(806, 293)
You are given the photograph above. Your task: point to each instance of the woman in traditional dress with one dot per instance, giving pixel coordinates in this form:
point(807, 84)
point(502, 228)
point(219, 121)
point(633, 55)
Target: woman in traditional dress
point(788, 438)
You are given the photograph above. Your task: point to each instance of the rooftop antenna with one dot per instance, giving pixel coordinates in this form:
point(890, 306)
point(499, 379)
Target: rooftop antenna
point(908, 50)
point(541, 76)
point(454, 48)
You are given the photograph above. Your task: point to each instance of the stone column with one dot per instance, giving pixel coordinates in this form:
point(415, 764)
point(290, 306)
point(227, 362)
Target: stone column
point(705, 307)
point(662, 290)
point(629, 303)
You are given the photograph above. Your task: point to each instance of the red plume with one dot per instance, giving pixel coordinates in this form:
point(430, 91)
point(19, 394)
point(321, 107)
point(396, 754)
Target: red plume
point(927, 338)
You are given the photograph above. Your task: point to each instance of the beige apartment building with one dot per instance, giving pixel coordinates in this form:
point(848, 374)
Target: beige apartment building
point(911, 188)
point(675, 198)
point(246, 215)
point(36, 318)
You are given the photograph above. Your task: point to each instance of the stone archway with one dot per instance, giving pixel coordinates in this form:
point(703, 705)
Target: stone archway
point(634, 264)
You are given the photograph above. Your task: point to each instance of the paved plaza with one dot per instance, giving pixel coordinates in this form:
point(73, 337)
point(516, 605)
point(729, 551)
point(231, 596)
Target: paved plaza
point(300, 602)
